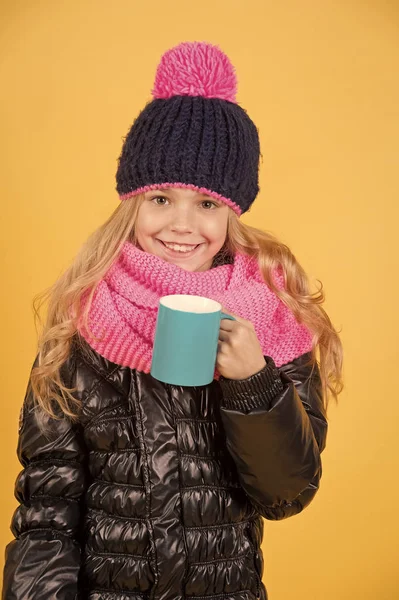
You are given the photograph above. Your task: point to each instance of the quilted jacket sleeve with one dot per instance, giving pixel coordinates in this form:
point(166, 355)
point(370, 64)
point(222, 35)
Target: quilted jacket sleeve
point(276, 429)
point(43, 561)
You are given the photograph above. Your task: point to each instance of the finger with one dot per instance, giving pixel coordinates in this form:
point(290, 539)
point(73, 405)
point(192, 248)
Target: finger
point(227, 325)
point(221, 346)
point(223, 336)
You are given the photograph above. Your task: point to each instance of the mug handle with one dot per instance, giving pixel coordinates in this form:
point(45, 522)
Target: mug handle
point(224, 316)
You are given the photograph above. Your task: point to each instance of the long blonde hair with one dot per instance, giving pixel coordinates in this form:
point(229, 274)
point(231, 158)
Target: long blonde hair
point(63, 301)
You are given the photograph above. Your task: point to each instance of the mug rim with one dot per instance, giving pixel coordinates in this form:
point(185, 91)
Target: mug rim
point(217, 306)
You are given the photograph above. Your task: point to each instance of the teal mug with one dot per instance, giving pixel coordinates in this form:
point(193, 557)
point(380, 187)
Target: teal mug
point(186, 339)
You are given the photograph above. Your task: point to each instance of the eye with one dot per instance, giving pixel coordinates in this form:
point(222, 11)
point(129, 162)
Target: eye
point(209, 202)
point(158, 198)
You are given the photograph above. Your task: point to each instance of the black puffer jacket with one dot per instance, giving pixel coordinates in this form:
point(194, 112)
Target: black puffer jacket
point(160, 490)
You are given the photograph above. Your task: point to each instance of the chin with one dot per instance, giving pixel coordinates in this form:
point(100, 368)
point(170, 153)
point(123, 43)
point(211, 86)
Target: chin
point(194, 266)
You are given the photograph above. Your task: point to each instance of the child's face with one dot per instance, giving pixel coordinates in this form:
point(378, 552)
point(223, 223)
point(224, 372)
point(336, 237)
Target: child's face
point(184, 217)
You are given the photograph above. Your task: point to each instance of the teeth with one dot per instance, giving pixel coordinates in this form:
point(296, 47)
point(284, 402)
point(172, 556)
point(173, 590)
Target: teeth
point(179, 248)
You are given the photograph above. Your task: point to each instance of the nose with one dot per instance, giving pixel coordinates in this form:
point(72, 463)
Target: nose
point(182, 221)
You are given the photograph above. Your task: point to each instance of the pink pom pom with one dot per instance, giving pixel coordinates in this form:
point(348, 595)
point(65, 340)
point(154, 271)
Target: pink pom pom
point(195, 69)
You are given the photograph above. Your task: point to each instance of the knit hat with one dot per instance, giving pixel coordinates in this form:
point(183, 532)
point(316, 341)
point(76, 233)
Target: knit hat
point(193, 134)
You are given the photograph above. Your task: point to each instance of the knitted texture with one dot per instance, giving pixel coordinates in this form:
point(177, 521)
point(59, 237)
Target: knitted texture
point(125, 306)
point(193, 134)
point(195, 69)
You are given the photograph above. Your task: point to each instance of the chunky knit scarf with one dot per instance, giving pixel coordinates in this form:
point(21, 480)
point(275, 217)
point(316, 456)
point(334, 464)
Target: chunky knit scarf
point(125, 306)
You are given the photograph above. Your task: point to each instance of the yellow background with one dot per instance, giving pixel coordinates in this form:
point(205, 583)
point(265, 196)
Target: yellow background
point(320, 79)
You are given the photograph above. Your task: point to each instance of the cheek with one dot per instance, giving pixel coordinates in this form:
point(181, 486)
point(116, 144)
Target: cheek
point(145, 224)
point(215, 230)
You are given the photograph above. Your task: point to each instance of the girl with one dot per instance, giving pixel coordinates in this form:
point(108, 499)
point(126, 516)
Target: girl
point(136, 489)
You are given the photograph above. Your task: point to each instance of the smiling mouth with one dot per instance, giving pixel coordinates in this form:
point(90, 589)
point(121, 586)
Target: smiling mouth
point(179, 249)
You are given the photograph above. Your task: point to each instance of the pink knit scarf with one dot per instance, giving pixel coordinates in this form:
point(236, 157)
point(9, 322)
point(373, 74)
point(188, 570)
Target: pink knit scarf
point(125, 306)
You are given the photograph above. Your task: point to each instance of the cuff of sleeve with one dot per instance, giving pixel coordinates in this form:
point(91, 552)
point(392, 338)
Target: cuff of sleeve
point(255, 391)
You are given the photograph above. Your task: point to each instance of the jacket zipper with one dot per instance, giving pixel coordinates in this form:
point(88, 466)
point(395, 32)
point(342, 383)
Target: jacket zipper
point(255, 555)
point(134, 401)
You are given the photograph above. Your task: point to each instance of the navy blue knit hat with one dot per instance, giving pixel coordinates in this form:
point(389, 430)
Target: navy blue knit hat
point(193, 134)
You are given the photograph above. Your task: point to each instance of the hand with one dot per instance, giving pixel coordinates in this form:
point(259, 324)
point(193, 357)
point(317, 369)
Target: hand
point(239, 352)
